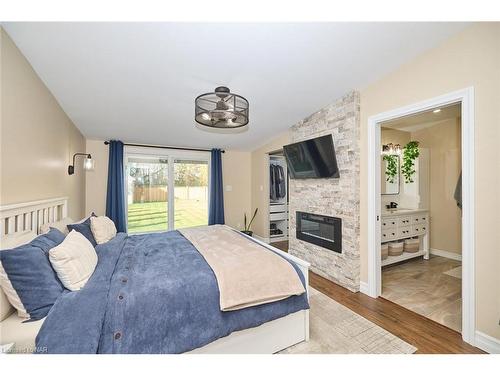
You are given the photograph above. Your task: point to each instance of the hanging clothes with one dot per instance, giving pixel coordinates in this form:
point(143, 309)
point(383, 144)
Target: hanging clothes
point(277, 182)
point(272, 183)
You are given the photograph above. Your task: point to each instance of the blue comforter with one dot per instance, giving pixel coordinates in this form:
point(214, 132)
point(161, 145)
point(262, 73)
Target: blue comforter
point(151, 293)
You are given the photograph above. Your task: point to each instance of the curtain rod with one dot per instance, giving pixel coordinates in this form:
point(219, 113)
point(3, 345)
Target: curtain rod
point(168, 147)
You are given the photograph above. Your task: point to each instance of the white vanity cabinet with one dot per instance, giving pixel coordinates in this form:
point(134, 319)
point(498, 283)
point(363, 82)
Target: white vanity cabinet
point(402, 224)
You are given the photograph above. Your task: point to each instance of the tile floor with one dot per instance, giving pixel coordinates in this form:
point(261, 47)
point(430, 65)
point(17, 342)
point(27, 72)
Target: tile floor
point(423, 287)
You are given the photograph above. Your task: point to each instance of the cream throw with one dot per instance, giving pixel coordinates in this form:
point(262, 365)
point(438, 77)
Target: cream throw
point(247, 273)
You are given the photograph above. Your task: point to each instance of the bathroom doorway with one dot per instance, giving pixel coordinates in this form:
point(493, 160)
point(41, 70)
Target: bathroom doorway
point(422, 243)
point(421, 226)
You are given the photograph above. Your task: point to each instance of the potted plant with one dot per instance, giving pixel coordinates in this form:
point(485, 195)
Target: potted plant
point(410, 154)
point(247, 230)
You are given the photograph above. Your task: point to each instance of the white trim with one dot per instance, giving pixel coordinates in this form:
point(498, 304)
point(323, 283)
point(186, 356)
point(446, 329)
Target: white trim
point(487, 343)
point(363, 287)
point(446, 254)
point(466, 98)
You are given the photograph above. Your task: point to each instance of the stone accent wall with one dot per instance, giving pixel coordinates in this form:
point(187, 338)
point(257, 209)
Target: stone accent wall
point(337, 197)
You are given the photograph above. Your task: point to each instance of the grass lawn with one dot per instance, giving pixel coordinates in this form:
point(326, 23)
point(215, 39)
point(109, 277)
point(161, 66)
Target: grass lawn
point(152, 216)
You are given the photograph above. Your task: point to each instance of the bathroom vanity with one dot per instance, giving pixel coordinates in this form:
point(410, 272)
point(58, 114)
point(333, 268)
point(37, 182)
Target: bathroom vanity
point(400, 224)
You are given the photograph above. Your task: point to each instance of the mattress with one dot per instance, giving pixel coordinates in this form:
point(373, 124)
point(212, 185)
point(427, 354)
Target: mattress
point(13, 330)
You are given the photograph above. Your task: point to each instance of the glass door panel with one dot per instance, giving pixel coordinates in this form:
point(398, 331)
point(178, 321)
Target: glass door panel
point(147, 194)
point(190, 193)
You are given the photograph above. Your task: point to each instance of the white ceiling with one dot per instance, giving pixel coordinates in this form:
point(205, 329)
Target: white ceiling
point(425, 119)
point(137, 81)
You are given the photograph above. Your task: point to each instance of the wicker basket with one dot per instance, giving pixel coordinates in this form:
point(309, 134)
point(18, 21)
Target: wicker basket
point(396, 248)
point(412, 245)
point(384, 250)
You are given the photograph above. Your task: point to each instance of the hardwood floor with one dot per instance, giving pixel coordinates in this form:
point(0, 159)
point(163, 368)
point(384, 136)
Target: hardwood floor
point(282, 245)
point(425, 334)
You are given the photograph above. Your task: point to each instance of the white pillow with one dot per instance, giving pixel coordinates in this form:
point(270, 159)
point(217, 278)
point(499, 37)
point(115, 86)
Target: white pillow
point(62, 225)
point(102, 228)
point(74, 260)
point(11, 241)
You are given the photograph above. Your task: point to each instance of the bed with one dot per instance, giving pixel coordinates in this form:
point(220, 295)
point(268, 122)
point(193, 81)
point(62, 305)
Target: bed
point(90, 321)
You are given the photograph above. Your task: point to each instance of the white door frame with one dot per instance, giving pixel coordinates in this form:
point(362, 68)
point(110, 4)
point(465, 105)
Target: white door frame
point(466, 98)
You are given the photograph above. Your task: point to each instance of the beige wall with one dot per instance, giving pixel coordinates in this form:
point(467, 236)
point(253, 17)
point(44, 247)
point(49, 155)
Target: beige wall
point(443, 142)
point(471, 58)
point(97, 180)
point(394, 136)
point(38, 140)
point(260, 182)
point(235, 173)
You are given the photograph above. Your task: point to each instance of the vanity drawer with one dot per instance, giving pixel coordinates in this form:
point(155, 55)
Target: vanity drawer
point(419, 219)
point(389, 234)
point(419, 229)
point(404, 232)
point(388, 223)
point(278, 216)
point(404, 221)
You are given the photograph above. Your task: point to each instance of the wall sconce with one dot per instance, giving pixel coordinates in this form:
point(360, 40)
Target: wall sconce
point(390, 149)
point(88, 163)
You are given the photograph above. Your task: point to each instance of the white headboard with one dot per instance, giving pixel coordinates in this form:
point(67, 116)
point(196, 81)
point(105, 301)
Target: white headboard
point(31, 216)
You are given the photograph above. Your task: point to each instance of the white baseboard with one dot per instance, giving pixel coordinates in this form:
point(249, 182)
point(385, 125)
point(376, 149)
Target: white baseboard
point(487, 343)
point(446, 254)
point(363, 287)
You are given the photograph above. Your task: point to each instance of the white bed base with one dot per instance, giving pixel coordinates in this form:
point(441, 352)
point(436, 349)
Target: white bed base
point(270, 337)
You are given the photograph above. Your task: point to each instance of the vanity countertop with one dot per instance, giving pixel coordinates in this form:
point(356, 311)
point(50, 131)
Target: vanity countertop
point(402, 211)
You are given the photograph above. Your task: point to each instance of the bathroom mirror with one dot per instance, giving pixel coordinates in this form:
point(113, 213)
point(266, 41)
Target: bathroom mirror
point(389, 176)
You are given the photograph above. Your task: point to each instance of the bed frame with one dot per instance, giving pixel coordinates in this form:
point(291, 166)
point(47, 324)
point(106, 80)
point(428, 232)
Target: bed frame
point(270, 337)
point(30, 216)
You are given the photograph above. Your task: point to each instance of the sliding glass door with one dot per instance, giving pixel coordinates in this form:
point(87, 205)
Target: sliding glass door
point(166, 189)
point(190, 193)
point(147, 195)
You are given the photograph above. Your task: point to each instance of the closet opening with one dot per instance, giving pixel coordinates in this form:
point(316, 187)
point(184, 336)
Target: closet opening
point(278, 200)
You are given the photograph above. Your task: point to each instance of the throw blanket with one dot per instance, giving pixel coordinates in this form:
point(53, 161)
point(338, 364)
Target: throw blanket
point(247, 273)
point(151, 293)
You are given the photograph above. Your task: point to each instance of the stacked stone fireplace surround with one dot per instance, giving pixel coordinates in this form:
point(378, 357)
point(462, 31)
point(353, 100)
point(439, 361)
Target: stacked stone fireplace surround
point(338, 197)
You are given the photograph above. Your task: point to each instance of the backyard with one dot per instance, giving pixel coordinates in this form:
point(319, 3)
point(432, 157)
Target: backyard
point(152, 216)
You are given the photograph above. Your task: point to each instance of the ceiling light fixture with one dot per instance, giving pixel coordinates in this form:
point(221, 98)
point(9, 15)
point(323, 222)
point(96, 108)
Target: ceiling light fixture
point(221, 109)
point(437, 110)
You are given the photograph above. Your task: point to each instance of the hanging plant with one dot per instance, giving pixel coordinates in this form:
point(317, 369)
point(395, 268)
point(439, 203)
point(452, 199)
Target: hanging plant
point(410, 154)
point(392, 167)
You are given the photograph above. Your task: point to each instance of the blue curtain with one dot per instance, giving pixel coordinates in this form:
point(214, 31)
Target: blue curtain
point(216, 204)
point(115, 198)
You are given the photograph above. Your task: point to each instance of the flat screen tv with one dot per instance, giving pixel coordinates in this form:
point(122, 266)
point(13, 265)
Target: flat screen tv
point(314, 158)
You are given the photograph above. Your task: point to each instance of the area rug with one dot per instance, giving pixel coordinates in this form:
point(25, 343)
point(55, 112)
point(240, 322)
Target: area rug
point(335, 329)
point(455, 272)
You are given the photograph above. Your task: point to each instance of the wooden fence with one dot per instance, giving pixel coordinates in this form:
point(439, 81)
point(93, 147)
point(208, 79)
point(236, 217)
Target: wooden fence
point(160, 193)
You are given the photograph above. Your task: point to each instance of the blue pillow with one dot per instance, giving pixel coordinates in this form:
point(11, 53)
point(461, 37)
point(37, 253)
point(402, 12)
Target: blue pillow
point(84, 228)
point(29, 271)
point(48, 240)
